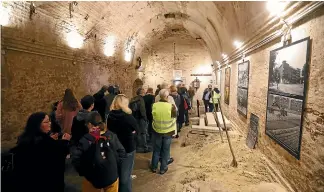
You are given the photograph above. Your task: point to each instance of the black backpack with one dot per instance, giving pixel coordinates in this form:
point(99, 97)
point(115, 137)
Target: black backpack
point(100, 163)
point(135, 107)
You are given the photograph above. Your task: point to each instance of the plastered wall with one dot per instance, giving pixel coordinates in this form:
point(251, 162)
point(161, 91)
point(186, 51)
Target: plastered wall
point(306, 174)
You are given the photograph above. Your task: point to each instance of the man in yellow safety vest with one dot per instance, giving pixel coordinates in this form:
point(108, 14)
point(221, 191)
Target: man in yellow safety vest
point(164, 126)
point(213, 101)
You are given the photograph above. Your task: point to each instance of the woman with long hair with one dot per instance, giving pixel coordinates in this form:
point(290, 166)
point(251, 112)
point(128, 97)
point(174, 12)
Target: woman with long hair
point(123, 124)
point(39, 160)
point(67, 110)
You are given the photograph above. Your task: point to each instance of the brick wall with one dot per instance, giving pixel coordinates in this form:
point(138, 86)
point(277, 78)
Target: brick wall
point(306, 174)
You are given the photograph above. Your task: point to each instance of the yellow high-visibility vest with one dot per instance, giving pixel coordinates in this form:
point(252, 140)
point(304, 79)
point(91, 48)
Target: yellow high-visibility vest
point(162, 120)
point(214, 98)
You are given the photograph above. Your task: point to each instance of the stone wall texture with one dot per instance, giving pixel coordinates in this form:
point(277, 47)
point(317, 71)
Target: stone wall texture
point(191, 56)
point(306, 174)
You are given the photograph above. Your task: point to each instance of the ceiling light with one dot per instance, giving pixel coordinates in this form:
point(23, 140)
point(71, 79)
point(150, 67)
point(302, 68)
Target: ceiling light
point(276, 7)
point(109, 48)
point(238, 44)
point(224, 55)
point(128, 56)
point(75, 40)
point(4, 15)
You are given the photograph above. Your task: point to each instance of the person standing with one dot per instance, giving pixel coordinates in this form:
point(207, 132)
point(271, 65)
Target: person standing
point(149, 100)
point(164, 126)
point(179, 101)
point(206, 97)
point(40, 154)
point(137, 105)
point(213, 102)
point(191, 93)
point(67, 110)
point(98, 156)
point(157, 90)
point(79, 127)
point(109, 99)
point(100, 103)
point(121, 122)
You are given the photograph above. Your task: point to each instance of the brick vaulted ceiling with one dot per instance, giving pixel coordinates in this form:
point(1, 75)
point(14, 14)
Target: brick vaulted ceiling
point(217, 24)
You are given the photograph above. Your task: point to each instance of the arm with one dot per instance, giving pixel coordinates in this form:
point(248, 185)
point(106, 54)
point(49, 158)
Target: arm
point(118, 147)
point(132, 123)
point(142, 109)
point(76, 155)
point(173, 111)
point(171, 100)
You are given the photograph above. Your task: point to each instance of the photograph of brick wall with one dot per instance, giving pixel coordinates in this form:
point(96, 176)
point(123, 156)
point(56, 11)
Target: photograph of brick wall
point(284, 117)
point(242, 101)
point(242, 87)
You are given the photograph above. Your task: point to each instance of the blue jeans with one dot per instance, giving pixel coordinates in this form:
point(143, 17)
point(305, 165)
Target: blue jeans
point(141, 140)
point(125, 172)
point(161, 148)
point(211, 107)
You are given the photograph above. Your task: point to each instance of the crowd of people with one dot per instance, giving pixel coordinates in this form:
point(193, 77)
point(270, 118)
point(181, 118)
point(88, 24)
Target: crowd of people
point(100, 134)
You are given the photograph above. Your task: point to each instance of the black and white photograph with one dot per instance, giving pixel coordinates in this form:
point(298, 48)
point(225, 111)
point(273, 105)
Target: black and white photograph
point(284, 118)
point(288, 69)
point(243, 74)
point(242, 101)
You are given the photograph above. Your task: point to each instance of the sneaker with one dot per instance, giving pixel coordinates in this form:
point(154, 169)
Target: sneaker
point(164, 171)
point(153, 170)
point(170, 160)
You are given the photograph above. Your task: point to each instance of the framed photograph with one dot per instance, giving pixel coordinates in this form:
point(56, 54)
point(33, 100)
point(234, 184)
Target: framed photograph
point(287, 69)
point(243, 74)
point(284, 120)
point(227, 85)
point(288, 77)
point(242, 87)
point(177, 74)
point(242, 101)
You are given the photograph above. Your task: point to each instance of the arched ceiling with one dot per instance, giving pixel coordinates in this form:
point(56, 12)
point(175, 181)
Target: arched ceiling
point(218, 24)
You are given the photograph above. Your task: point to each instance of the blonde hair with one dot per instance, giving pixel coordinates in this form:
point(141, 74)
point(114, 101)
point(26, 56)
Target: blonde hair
point(121, 102)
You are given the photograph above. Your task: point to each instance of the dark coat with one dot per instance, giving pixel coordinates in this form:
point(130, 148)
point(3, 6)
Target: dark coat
point(142, 107)
point(80, 155)
point(40, 167)
point(100, 103)
point(109, 99)
point(181, 109)
point(123, 125)
point(79, 128)
point(149, 100)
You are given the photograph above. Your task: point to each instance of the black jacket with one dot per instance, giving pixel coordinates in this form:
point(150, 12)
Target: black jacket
point(80, 155)
point(149, 100)
point(40, 167)
point(109, 99)
point(79, 127)
point(142, 107)
point(204, 94)
point(100, 103)
point(123, 125)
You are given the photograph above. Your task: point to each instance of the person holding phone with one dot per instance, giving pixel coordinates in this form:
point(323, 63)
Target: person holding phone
point(41, 154)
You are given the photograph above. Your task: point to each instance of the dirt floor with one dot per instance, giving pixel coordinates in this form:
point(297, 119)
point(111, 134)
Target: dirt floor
point(202, 163)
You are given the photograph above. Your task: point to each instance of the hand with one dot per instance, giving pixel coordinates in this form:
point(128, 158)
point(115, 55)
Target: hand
point(54, 136)
point(66, 136)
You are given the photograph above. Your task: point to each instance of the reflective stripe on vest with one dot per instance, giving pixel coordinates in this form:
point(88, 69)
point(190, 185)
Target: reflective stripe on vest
point(162, 120)
point(214, 98)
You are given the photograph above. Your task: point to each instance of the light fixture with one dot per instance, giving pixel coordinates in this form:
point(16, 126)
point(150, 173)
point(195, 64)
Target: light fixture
point(75, 40)
point(276, 7)
point(128, 55)
point(224, 55)
point(4, 15)
point(109, 48)
point(238, 44)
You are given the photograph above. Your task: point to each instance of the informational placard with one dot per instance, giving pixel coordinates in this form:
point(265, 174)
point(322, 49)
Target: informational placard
point(201, 74)
point(252, 137)
point(177, 74)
